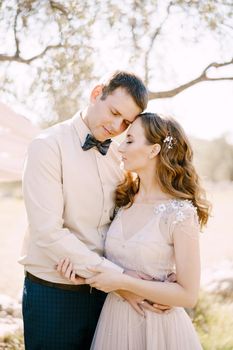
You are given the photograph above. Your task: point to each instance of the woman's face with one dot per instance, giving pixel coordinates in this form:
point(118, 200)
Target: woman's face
point(136, 153)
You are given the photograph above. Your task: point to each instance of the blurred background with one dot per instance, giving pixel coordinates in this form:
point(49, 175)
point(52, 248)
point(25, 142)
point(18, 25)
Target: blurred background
point(52, 53)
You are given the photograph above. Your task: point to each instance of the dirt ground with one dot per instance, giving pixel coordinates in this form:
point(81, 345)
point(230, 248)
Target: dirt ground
point(216, 241)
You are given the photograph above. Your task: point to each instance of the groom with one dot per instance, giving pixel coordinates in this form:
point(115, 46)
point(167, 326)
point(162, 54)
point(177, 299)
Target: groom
point(70, 175)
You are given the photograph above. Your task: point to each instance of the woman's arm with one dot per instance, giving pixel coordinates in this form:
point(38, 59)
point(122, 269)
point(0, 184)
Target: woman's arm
point(182, 293)
point(185, 291)
point(66, 269)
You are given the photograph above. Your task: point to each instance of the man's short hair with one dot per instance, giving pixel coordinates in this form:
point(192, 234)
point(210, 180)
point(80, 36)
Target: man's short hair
point(131, 83)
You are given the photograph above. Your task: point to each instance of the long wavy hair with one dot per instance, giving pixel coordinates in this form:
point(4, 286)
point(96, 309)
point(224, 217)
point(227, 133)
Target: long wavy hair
point(175, 171)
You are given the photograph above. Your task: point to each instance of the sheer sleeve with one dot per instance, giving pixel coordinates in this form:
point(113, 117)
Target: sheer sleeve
point(184, 221)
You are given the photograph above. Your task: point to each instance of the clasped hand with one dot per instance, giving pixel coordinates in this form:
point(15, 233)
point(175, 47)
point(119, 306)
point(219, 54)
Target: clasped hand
point(109, 280)
point(105, 279)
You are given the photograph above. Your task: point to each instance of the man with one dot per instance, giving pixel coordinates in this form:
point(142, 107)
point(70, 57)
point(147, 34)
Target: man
point(70, 176)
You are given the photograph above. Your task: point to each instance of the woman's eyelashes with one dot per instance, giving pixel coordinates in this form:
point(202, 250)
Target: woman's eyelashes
point(129, 141)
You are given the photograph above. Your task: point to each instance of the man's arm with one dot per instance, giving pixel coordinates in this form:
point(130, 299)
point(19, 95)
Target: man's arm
point(43, 195)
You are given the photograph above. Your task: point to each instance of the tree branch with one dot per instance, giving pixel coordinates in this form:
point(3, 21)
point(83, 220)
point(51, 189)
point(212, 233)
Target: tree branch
point(56, 6)
point(16, 57)
point(199, 79)
point(152, 40)
point(15, 32)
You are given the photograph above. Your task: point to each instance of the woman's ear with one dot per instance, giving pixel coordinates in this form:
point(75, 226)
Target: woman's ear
point(155, 150)
point(97, 91)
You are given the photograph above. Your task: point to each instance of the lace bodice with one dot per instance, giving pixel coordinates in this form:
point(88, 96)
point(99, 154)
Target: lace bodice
point(141, 237)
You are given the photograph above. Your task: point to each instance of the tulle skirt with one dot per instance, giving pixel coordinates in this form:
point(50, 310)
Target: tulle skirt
point(120, 327)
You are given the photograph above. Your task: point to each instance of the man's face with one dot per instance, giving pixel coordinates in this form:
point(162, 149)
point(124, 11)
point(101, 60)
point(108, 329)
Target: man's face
point(110, 117)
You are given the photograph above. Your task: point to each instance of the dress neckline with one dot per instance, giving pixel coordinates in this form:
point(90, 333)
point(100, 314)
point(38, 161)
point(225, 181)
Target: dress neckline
point(155, 205)
point(137, 233)
point(158, 202)
point(159, 207)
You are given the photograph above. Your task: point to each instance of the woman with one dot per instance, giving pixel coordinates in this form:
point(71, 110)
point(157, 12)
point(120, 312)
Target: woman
point(154, 233)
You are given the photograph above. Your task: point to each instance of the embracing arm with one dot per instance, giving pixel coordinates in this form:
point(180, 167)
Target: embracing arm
point(43, 195)
point(187, 259)
point(182, 293)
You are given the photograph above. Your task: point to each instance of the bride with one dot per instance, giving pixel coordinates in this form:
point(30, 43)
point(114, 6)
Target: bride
point(161, 208)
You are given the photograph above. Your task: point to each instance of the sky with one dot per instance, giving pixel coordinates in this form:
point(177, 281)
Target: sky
point(205, 111)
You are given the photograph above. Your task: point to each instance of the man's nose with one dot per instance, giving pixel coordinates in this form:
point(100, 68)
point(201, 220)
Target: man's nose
point(116, 124)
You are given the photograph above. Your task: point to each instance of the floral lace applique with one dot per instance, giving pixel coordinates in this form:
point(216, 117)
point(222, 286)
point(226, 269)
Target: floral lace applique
point(178, 206)
point(179, 214)
point(160, 208)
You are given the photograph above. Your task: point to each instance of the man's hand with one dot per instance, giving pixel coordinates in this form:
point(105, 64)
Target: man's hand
point(134, 300)
point(65, 268)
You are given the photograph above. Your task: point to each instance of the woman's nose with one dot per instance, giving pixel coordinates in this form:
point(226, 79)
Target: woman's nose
point(121, 147)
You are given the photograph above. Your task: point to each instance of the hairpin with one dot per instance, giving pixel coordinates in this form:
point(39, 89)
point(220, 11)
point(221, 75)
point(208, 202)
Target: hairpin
point(170, 140)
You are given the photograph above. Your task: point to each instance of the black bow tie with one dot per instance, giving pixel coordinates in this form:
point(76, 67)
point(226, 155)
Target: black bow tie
point(92, 142)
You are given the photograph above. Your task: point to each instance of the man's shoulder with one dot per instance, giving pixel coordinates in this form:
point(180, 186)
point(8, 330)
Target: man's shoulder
point(49, 139)
point(52, 134)
point(57, 129)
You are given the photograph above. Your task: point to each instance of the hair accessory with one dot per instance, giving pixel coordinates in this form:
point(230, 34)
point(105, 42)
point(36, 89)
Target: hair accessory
point(170, 140)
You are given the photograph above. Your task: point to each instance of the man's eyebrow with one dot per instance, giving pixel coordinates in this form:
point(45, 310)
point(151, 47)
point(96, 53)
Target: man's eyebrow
point(128, 135)
point(117, 112)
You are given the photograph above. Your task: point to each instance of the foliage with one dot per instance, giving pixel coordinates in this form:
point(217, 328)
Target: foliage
point(144, 27)
point(62, 46)
point(214, 158)
point(12, 342)
point(212, 318)
point(53, 44)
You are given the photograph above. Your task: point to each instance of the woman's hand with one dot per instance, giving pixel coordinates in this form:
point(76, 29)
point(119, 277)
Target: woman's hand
point(106, 279)
point(65, 268)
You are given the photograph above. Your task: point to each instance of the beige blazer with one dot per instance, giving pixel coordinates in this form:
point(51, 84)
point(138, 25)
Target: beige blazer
point(69, 198)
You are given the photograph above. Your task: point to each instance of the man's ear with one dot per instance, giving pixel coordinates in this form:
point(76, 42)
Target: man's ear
point(97, 91)
point(155, 150)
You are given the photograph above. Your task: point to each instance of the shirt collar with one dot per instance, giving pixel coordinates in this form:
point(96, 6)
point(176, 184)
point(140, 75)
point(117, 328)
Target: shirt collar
point(80, 127)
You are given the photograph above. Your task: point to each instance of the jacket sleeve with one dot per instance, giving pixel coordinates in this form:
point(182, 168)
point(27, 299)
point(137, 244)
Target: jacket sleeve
point(43, 195)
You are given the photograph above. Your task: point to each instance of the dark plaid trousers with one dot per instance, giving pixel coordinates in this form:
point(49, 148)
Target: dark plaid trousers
point(56, 319)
